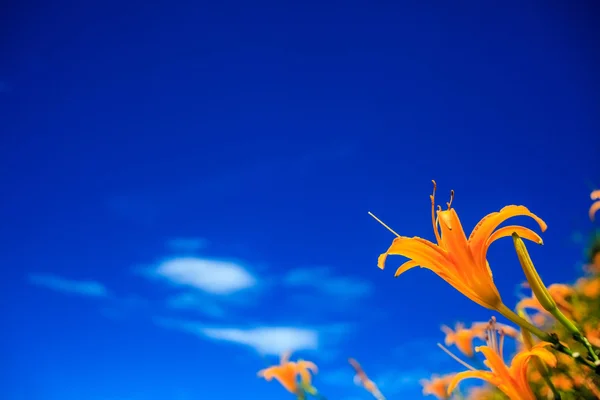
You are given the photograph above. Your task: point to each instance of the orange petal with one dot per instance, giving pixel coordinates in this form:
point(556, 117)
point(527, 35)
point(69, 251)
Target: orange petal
point(486, 227)
point(484, 375)
point(595, 195)
point(453, 236)
point(421, 251)
point(594, 209)
point(495, 363)
point(523, 232)
point(405, 267)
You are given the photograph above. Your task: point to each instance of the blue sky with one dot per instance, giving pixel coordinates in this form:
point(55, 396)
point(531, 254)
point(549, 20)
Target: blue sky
point(186, 187)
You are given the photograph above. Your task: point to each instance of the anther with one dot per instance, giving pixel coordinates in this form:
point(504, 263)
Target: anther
point(449, 204)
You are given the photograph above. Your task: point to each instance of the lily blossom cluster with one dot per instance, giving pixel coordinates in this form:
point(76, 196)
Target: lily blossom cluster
point(554, 329)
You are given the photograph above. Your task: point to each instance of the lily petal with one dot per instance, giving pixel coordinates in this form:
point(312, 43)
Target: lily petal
point(594, 209)
point(486, 227)
point(523, 232)
point(483, 375)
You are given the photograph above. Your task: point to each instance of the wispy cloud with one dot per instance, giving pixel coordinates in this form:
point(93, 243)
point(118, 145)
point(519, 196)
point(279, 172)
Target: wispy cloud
point(323, 280)
point(267, 340)
point(82, 288)
point(213, 276)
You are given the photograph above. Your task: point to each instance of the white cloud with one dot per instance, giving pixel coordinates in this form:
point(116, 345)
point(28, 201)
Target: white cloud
point(323, 280)
point(267, 340)
point(83, 288)
point(212, 276)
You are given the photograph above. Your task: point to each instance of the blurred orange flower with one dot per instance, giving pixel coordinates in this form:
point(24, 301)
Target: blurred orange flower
point(460, 261)
point(437, 386)
point(462, 338)
point(287, 372)
point(589, 287)
point(595, 207)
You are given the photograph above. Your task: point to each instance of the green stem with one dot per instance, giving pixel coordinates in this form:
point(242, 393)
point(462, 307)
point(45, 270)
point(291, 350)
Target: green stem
point(523, 323)
point(545, 372)
point(577, 335)
point(513, 317)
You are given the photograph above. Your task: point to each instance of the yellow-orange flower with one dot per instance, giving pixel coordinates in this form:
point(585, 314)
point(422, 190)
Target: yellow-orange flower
point(594, 266)
point(287, 372)
point(595, 207)
point(592, 332)
point(460, 261)
point(437, 386)
point(462, 338)
point(589, 287)
point(511, 380)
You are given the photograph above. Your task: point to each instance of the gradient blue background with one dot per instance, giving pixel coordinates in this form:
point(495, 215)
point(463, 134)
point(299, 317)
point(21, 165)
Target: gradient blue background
point(268, 130)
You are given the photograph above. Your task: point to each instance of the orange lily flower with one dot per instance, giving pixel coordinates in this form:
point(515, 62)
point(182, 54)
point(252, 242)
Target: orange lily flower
point(437, 386)
point(595, 207)
point(594, 266)
point(286, 373)
point(461, 337)
point(592, 332)
point(460, 261)
point(589, 287)
point(362, 379)
point(511, 380)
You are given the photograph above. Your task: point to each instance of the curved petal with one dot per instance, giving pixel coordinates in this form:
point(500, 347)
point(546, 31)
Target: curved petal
point(520, 360)
point(523, 232)
point(422, 251)
point(595, 195)
point(518, 368)
point(486, 227)
point(594, 209)
point(303, 368)
point(449, 340)
point(410, 264)
point(495, 363)
point(266, 373)
point(483, 375)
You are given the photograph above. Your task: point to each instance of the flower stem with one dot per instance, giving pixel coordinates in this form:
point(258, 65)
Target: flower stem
point(523, 323)
point(577, 335)
point(546, 337)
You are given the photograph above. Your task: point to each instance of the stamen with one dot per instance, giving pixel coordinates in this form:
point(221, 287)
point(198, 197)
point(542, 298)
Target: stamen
point(501, 347)
point(490, 336)
point(382, 223)
point(449, 204)
point(433, 218)
point(464, 364)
